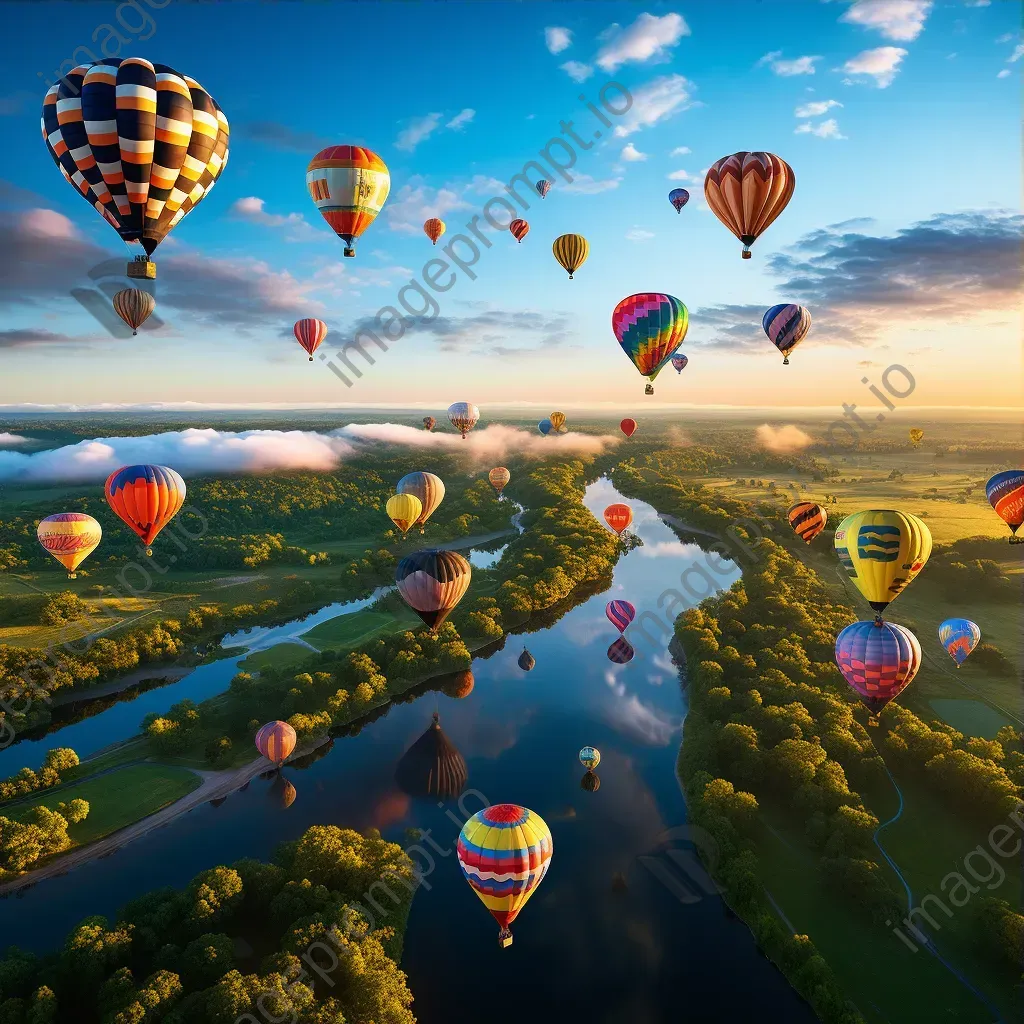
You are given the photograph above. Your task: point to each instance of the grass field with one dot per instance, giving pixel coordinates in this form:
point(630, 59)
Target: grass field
point(971, 717)
point(119, 798)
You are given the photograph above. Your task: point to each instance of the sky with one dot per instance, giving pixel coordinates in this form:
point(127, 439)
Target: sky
point(900, 118)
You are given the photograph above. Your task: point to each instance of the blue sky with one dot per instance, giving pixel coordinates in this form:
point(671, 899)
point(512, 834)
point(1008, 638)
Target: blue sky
point(899, 149)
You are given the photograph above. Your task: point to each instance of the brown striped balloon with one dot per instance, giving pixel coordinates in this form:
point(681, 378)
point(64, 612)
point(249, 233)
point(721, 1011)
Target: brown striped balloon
point(134, 307)
point(432, 583)
point(747, 191)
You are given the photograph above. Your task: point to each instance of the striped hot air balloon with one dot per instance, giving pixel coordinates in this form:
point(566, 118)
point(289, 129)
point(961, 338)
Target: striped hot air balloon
point(650, 327)
point(404, 510)
point(679, 197)
point(504, 852)
point(432, 583)
point(620, 614)
point(543, 187)
point(959, 637)
point(428, 488)
point(134, 307)
point(571, 251)
point(621, 651)
point(808, 519)
point(519, 228)
point(147, 498)
point(429, 423)
point(70, 537)
point(349, 185)
point(463, 416)
point(434, 229)
point(432, 768)
point(786, 326)
point(1005, 493)
point(879, 661)
point(558, 422)
point(618, 517)
point(499, 478)
point(275, 741)
point(309, 333)
point(679, 362)
point(142, 143)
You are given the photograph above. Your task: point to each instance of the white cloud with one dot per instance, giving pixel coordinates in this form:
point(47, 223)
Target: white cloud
point(485, 185)
point(816, 108)
point(648, 37)
point(12, 439)
point(788, 68)
point(901, 20)
point(655, 102)
point(826, 130)
point(638, 235)
point(789, 438)
point(585, 185)
point(461, 119)
point(577, 71)
point(557, 39)
point(42, 223)
point(250, 208)
point(631, 154)
point(681, 176)
point(643, 724)
point(414, 202)
point(1006, 37)
point(680, 151)
point(418, 129)
point(881, 64)
point(1018, 52)
point(1005, 73)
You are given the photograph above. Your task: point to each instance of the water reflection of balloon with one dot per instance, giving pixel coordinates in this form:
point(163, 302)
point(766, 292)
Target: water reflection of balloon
point(628, 427)
point(1005, 493)
point(145, 498)
point(432, 768)
point(621, 651)
point(281, 792)
point(459, 684)
point(504, 852)
point(620, 614)
point(879, 660)
point(526, 660)
point(70, 537)
point(275, 741)
point(807, 518)
point(959, 637)
point(618, 517)
point(590, 783)
point(403, 510)
point(432, 583)
point(590, 757)
point(428, 488)
point(463, 417)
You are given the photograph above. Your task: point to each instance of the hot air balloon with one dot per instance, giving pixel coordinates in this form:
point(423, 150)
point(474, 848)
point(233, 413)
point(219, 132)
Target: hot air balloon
point(916, 437)
point(281, 793)
point(142, 143)
point(70, 537)
point(621, 651)
point(349, 185)
point(429, 423)
point(134, 307)
point(545, 427)
point(590, 757)
point(459, 685)
point(879, 660)
point(425, 486)
point(504, 852)
point(434, 229)
point(557, 420)
point(463, 417)
point(432, 768)
point(807, 518)
point(526, 660)
point(679, 362)
point(747, 191)
point(882, 550)
point(590, 783)
point(628, 427)
point(309, 333)
point(499, 477)
point(679, 197)
point(649, 328)
point(275, 741)
point(519, 228)
point(620, 614)
point(432, 583)
point(147, 498)
point(786, 326)
point(618, 517)
point(571, 251)
point(404, 510)
point(1005, 493)
point(959, 637)
point(543, 188)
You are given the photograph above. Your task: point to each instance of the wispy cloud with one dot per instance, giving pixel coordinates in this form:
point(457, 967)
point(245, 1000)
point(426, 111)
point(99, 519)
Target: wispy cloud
point(649, 38)
point(882, 64)
point(461, 119)
point(416, 131)
point(557, 39)
point(782, 440)
point(900, 20)
point(680, 151)
point(577, 71)
point(681, 176)
point(584, 184)
point(281, 136)
point(631, 154)
point(415, 201)
point(638, 235)
point(788, 68)
point(825, 130)
point(815, 108)
point(252, 209)
point(655, 102)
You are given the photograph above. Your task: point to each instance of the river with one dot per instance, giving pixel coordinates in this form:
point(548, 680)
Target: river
point(654, 946)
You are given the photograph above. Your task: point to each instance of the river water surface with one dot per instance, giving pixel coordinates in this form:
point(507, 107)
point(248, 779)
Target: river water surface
point(621, 930)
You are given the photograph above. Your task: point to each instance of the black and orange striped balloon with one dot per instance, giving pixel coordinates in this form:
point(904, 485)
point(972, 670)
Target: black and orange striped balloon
point(519, 228)
point(808, 519)
point(134, 307)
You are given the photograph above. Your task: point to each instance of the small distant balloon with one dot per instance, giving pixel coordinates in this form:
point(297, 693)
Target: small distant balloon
point(808, 519)
point(545, 426)
point(558, 422)
point(519, 228)
point(404, 510)
point(786, 326)
point(434, 229)
point(590, 757)
point(679, 362)
point(679, 197)
point(1005, 493)
point(959, 637)
point(499, 478)
point(134, 307)
point(309, 333)
point(916, 437)
point(618, 517)
point(628, 427)
point(429, 423)
point(571, 251)
point(543, 188)
point(463, 416)
point(620, 614)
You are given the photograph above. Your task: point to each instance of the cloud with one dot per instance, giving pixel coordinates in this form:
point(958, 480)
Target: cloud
point(641, 723)
point(557, 39)
point(1005, 73)
point(416, 131)
point(638, 235)
point(680, 151)
point(655, 102)
point(816, 108)
point(782, 440)
point(881, 64)
point(1018, 52)
point(901, 20)
point(414, 202)
point(24, 337)
point(10, 439)
point(461, 119)
point(681, 176)
point(649, 38)
point(577, 70)
point(826, 130)
point(788, 68)
point(584, 184)
point(251, 209)
point(281, 136)
point(631, 154)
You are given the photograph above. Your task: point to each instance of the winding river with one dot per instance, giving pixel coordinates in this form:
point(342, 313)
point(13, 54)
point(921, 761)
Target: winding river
point(622, 929)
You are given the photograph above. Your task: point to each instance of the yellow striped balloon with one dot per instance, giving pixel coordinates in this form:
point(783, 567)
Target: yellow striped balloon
point(499, 477)
point(558, 422)
point(70, 537)
point(404, 510)
point(882, 550)
point(571, 251)
point(134, 307)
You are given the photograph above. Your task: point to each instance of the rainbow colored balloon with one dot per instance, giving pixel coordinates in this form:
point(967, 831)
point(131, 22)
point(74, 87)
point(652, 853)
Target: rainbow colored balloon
point(1005, 493)
point(650, 327)
point(504, 852)
point(878, 659)
point(959, 637)
point(620, 614)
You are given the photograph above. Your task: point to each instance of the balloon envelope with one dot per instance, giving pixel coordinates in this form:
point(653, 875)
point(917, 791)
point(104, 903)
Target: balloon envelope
point(519, 228)
point(959, 637)
point(882, 550)
point(429, 423)
point(545, 427)
point(349, 185)
point(557, 420)
point(649, 327)
point(275, 741)
point(404, 510)
point(618, 517)
point(526, 660)
point(878, 659)
point(590, 757)
point(70, 537)
point(432, 583)
point(425, 486)
point(1005, 493)
point(571, 251)
point(434, 229)
point(808, 519)
point(463, 416)
point(628, 427)
point(309, 333)
point(134, 307)
point(504, 852)
point(679, 197)
point(679, 362)
point(621, 651)
point(916, 436)
point(543, 188)
point(620, 614)
point(499, 478)
point(432, 768)
point(786, 326)
point(147, 498)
